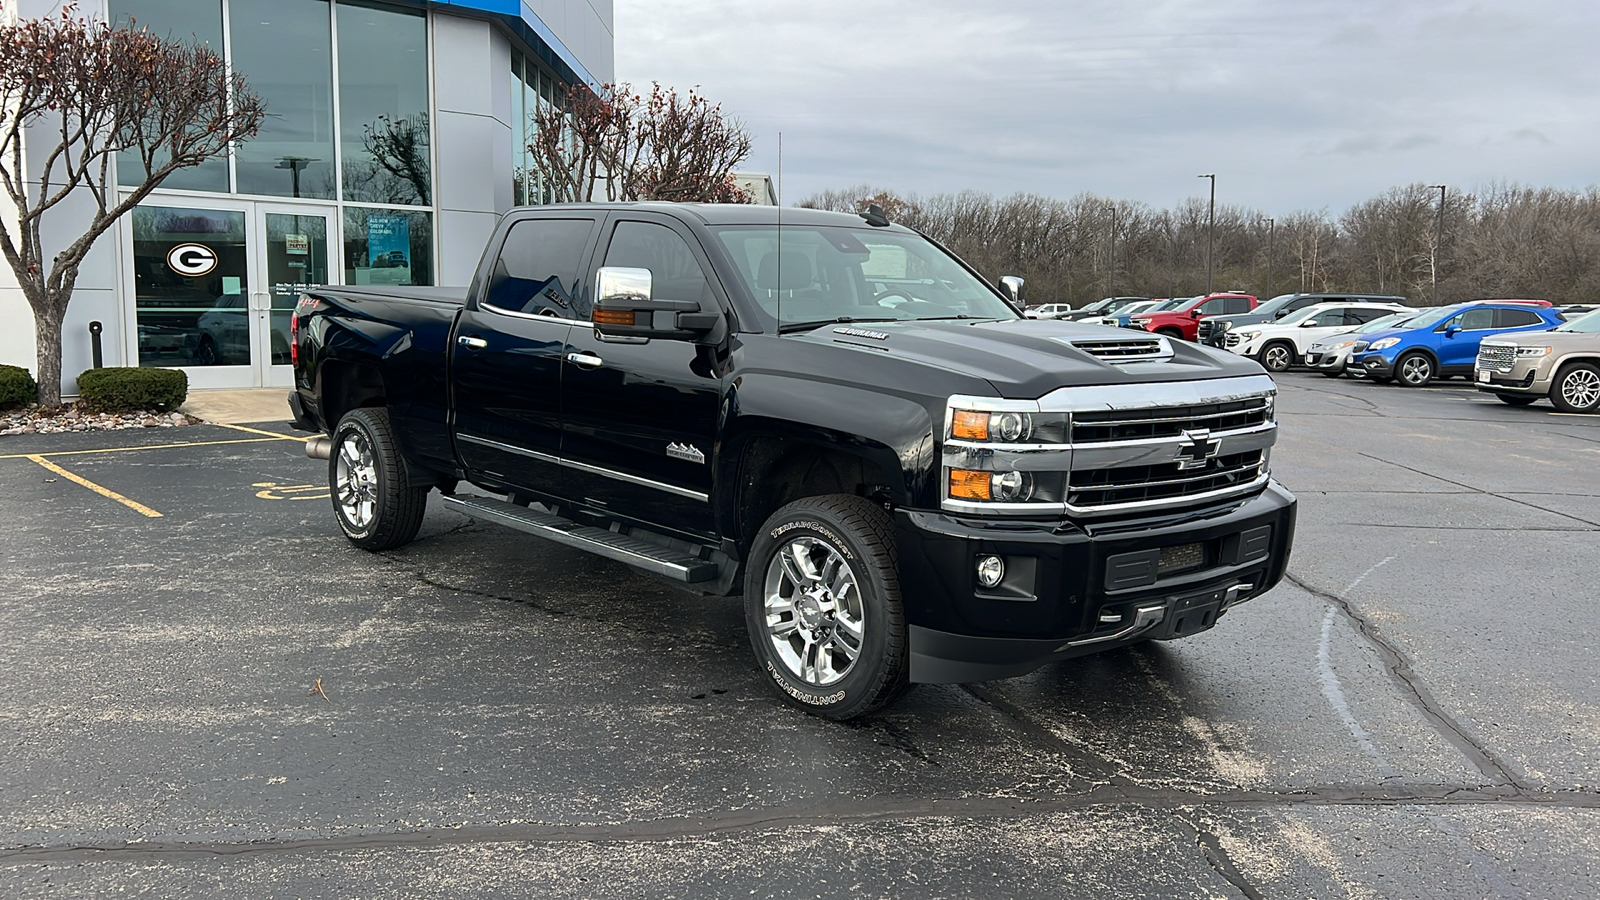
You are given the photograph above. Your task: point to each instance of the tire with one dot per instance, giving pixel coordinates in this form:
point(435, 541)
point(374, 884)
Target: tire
point(804, 642)
point(1277, 356)
point(206, 354)
point(1577, 388)
point(375, 506)
point(1415, 369)
point(1518, 399)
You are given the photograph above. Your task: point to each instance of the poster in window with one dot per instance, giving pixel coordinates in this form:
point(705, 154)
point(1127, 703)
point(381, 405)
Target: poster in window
point(389, 248)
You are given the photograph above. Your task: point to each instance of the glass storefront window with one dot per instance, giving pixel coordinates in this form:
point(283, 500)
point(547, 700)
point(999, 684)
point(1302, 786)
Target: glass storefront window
point(284, 49)
point(519, 135)
point(387, 246)
point(191, 284)
point(189, 21)
point(383, 104)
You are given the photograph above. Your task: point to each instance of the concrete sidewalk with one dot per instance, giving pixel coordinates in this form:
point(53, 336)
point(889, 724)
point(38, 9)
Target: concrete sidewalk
point(239, 407)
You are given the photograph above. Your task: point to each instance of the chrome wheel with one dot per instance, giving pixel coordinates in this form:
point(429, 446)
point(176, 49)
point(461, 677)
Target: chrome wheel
point(814, 614)
point(1416, 370)
point(356, 481)
point(1581, 389)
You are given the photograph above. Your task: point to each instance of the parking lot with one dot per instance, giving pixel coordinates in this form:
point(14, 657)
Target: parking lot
point(204, 689)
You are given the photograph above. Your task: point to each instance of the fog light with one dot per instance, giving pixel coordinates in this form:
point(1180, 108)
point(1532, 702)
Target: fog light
point(991, 570)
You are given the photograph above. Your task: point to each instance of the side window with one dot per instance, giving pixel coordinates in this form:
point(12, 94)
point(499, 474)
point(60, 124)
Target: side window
point(1237, 305)
point(674, 272)
point(537, 272)
point(1303, 302)
point(1356, 316)
point(1477, 320)
point(1515, 318)
point(1214, 306)
point(1329, 317)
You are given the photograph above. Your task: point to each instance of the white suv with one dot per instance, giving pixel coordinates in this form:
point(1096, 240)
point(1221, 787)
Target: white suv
point(1280, 344)
point(1048, 311)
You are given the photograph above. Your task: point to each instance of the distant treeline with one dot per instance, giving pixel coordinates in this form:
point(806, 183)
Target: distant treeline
point(1508, 241)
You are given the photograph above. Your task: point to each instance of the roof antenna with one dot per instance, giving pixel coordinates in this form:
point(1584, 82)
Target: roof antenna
point(876, 217)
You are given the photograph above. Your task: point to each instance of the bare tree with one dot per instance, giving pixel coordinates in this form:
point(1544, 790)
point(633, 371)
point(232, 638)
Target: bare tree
point(74, 93)
point(398, 168)
point(620, 146)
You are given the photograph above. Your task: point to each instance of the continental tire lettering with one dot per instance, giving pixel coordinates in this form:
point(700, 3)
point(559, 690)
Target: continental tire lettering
point(800, 695)
point(838, 543)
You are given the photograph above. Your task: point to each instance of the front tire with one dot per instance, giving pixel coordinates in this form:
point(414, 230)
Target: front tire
point(1415, 370)
point(1277, 357)
point(1577, 388)
point(376, 507)
point(822, 605)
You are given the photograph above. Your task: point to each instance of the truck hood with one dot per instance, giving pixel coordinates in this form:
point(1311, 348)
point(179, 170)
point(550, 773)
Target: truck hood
point(1024, 359)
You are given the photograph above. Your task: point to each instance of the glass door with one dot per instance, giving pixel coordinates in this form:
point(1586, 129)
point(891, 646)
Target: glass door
point(192, 273)
point(294, 251)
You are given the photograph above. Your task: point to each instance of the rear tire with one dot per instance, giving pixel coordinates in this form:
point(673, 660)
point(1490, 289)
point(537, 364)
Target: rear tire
point(822, 605)
point(1576, 388)
point(376, 507)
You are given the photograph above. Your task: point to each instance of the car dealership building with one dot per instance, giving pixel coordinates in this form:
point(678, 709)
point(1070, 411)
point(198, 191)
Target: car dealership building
point(394, 140)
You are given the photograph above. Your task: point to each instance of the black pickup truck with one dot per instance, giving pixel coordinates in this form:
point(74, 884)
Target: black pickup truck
point(829, 414)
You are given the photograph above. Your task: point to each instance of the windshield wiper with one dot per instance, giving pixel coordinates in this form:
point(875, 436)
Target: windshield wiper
point(807, 326)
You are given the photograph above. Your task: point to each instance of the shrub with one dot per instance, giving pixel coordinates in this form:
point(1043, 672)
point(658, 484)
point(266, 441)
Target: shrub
point(17, 387)
point(127, 389)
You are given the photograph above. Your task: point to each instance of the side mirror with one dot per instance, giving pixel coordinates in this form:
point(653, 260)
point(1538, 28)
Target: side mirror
point(1011, 287)
point(1452, 331)
point(1309, 323)
point(1195, 314)
point(623, 308)
point(1281, 313)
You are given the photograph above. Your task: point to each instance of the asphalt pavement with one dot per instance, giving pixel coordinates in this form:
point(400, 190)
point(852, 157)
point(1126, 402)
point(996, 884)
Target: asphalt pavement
point(206, 691)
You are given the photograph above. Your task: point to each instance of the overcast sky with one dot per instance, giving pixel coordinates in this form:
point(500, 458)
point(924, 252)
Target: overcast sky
point(1294, 104)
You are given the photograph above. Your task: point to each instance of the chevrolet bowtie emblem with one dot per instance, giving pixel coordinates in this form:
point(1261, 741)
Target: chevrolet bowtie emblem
point(1198, 446)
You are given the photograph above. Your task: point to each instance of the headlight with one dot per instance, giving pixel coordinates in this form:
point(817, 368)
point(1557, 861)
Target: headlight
point(1007, 426)
point(1219, 327)
point(1527, 352)
point(1248, 335)
point(1343, 344)
point(1004, 487)
point(1383, 344)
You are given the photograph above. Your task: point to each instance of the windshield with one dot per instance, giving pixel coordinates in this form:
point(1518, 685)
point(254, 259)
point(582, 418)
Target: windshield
point(1174, 303)
point(1433, 316)
point(1589, 324)
point(844, 274)
point(1275, 304)
point(1387, 322)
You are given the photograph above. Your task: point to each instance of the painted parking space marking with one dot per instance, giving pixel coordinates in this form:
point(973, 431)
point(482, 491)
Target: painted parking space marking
point(281, 437)
point(134, 505)
point(271, 490)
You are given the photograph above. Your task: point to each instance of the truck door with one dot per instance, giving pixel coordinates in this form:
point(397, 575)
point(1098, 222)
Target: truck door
point(506, 356)
point(640, 418)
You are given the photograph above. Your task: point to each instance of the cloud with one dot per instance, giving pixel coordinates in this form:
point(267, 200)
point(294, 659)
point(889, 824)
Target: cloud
point(1294, 106)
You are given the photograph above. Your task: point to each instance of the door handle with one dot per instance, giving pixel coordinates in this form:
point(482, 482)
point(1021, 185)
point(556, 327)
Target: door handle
point(586, 360)
point(476, 343)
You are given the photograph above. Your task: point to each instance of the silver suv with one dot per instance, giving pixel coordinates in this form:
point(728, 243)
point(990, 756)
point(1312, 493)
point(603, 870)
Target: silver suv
point(1563, 365)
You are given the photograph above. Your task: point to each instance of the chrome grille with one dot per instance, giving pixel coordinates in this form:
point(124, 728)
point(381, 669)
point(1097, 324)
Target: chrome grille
point(1168, 421)
point(1124, 349)
point(1139, 484)
point(1497, 357)
point(1231, 340)
point(1203, 331)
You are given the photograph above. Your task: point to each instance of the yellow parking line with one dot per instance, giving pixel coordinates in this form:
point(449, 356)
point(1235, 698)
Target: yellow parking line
point(131, 449)
point(139, 508)
point(282, 437)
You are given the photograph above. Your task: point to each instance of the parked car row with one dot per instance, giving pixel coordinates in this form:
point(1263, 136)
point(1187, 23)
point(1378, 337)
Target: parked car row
point(1518, 350)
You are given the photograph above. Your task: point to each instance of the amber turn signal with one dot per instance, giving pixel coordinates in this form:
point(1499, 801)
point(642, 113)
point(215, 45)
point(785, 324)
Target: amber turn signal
point(972, 426)
point(966, 484)
point(613, 317)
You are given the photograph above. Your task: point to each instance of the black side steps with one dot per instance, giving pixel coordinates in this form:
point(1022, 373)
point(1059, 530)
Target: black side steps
point(637, 552)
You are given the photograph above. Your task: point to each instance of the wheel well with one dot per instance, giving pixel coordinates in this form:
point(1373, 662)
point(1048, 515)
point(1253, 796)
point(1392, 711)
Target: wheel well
point(775, 471)
point(1414, 351)
point(347, 386)
point(1169, 331)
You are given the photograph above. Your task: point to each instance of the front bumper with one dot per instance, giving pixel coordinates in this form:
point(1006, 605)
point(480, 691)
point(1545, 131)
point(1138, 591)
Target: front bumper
point(1373, 365)
point(1071, 590)
point(1527, 376)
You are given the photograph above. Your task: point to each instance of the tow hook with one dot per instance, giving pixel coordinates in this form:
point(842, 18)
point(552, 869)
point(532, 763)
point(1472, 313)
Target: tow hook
point(319, 447)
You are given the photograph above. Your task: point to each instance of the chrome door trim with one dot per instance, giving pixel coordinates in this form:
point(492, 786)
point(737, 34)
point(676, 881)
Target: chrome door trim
point(584, 467)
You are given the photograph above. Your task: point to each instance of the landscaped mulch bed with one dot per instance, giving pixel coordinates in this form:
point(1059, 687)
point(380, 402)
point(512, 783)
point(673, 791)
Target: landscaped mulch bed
point(62, 419)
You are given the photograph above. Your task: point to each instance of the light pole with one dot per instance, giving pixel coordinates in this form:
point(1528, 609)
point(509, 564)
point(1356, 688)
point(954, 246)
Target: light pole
point(1438, 243)
point(295, 165)
point(1211, 229)
point(1272, 243)
point(1111, 267)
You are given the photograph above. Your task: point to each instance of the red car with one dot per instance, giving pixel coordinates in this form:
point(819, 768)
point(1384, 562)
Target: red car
point(1181, 318)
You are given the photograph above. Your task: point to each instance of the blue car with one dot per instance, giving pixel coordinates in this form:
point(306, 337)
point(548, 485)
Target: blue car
point(1444, 341)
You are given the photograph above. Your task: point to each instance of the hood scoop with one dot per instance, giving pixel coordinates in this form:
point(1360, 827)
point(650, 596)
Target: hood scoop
point(1120, 350)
